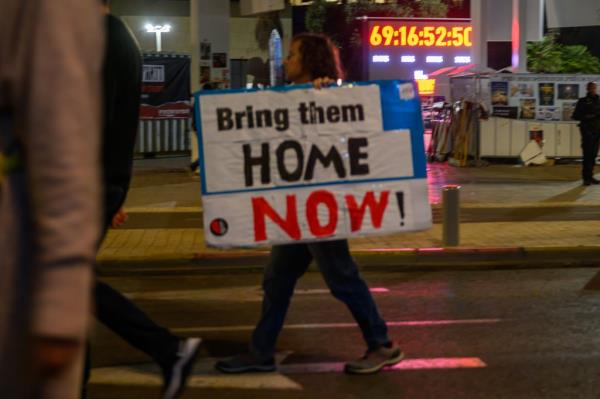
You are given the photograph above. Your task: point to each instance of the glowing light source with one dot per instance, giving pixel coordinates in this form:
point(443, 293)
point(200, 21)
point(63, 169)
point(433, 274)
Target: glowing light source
point(462, 60)
point(158, 30)
point(434, 59)
point(426, 87)
point(419, 74)
point(408, 59)
point(381, 58)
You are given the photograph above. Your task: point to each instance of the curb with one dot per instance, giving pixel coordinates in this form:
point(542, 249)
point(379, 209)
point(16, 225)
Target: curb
point(394, 260)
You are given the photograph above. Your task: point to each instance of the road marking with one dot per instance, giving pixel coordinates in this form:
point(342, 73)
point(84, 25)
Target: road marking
point(408, 323)
point(204, 375)
point(148, 375)
point(315, 291)
point(239, 294)
point(406, 364)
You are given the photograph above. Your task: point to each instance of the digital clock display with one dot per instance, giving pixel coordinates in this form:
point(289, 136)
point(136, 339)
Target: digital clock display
point(402, 48)
point(420, 36)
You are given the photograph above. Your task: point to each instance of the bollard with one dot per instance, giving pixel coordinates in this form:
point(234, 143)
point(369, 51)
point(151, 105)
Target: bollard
point(451, 221)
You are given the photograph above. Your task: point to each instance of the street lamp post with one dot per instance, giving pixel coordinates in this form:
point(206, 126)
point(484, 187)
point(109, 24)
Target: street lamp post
point(158, 30)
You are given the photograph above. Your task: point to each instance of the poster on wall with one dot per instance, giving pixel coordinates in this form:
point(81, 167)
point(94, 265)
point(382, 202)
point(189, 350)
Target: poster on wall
point(303, 165)
point(546, 94)
point(204, 74)
point(505, 112)
point(567, 110)
point(219, 60)
point(522, 89)
point(205, 51)
point(165, 87)
point(499, 93)
point(568, 91)
point(527, 108)
point(533, 94)
point(549, 113)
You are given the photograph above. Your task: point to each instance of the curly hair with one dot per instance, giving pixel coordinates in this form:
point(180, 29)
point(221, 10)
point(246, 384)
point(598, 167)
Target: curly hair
point(319, 56)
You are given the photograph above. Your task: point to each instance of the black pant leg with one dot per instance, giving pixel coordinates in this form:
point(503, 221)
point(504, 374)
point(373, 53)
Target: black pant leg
point(288, 263)
point(343, 279)
point(589, 147)
point(128, 321)
point(595, 147)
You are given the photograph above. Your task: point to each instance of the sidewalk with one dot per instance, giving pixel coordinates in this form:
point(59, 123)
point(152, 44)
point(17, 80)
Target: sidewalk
point(512, 217)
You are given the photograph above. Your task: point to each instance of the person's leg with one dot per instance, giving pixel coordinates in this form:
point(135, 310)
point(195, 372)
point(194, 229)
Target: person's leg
point(174, 355)
point(288, 263)
point(589, 156)
point(128, 321)
point(595, 147)
point(343, 279)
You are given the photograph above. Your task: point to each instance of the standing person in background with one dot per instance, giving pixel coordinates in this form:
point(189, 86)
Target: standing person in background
point(50, 74)
point(122, 90)
point(314, 58)
point(587, 112)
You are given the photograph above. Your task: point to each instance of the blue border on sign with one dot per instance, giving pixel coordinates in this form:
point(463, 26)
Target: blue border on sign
point(397, 114)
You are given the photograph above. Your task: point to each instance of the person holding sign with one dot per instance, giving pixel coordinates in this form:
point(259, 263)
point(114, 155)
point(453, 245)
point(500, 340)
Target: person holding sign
point(314, 58)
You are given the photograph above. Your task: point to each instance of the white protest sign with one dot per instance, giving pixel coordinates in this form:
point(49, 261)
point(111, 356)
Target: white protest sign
point(299, 164)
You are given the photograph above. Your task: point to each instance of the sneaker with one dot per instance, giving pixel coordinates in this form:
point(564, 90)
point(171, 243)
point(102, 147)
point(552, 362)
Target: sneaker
point(244, 363)
point(374, 360)
point(176, 374)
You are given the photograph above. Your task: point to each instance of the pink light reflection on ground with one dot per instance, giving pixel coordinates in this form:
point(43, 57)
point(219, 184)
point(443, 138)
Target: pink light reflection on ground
point(440, 363)
point(416, 323)
point(431, 249)
point(379, 289)
point(406, 364)
point(388, 250)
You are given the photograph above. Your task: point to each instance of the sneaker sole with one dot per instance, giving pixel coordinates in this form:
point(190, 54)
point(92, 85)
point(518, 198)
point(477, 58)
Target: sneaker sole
point(390, 362)
point(190, 351)
point(249, 369)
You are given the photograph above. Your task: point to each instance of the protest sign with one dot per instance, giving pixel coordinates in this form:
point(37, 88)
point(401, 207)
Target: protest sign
point(295, 164)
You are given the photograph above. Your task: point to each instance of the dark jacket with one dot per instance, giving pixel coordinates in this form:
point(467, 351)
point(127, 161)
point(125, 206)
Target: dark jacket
point(122, 90)
point(587, 111)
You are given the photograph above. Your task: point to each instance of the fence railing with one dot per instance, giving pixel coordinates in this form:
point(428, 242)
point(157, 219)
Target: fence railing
point(163, 136)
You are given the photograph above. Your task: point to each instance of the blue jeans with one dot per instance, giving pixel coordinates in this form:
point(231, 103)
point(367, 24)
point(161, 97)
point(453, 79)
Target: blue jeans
point(288, 263)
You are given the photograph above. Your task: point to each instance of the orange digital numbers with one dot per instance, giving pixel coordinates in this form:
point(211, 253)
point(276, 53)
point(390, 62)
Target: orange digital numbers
point(421, 36)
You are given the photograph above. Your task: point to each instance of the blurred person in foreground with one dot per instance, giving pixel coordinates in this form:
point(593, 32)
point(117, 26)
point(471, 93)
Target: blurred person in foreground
point(50, 74)
point(314, 58)
point(122, 82)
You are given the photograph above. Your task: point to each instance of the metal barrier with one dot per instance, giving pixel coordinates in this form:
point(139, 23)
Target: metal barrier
point(451, 222)
point(163, 136)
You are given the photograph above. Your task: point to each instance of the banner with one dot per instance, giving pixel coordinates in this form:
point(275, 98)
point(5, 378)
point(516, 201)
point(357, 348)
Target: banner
point(165, 87)
point(543, 97)
point(295, 164)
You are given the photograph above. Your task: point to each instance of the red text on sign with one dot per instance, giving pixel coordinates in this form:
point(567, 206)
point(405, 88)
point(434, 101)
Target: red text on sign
point(289, 224)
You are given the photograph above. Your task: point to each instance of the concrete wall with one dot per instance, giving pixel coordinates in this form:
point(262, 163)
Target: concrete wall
point(242, 43)
point(241, 40)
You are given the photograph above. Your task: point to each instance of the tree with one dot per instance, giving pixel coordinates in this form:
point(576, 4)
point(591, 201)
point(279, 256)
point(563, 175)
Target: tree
point(548, 56)
point(316, 16)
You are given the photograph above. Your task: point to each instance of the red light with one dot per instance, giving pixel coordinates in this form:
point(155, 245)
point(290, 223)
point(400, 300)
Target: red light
point(421, 36)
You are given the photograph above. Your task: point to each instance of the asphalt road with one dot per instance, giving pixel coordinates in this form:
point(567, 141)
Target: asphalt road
point(486, 334)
